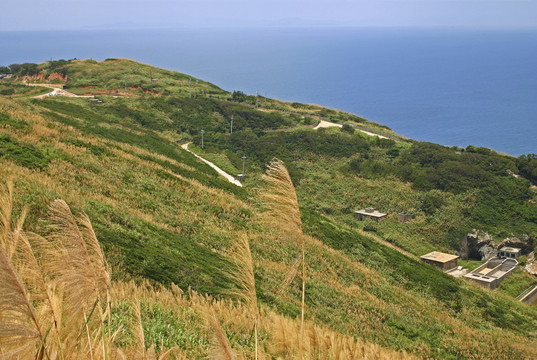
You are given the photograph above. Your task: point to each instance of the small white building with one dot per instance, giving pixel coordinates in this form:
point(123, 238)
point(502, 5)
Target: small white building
point(509, 252)
point(370, 213)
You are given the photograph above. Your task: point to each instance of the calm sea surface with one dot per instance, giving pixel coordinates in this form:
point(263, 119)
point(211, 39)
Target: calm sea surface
point(448, 87)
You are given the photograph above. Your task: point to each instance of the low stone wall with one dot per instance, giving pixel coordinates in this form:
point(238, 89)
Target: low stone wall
point(530, 297)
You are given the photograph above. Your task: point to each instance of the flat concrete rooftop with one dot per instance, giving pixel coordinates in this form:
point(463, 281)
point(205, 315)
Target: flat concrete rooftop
point(370, 212)
point(439, 257)
point(510, 249)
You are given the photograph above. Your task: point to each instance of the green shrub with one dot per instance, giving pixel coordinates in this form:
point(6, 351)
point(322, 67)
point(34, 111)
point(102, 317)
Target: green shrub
point(347, 128)
point(27, 155)
point(6, 120)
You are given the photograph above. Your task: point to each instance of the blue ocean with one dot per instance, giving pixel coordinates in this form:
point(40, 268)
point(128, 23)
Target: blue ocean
point(451, 87)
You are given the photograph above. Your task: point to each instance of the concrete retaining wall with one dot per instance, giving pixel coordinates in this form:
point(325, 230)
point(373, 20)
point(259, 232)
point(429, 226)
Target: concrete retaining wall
point(530, 297)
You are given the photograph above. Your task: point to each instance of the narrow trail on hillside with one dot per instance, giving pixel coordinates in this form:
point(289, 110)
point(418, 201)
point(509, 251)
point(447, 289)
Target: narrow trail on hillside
point(228, 177)
point(325, 124)
point(385, 243)
point(57, 90)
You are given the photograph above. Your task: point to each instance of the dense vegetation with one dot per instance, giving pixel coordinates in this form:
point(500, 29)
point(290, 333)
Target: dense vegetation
point(503, 201)
point(164, 217)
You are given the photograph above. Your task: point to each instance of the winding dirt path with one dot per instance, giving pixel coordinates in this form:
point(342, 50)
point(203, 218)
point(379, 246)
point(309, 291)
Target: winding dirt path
point(228, 177)
point(325, 124)
point(58, 90)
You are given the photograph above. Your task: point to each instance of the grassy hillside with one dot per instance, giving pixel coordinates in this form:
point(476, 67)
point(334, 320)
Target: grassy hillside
point(163, 217)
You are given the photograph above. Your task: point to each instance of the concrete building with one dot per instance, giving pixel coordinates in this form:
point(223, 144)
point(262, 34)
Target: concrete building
point(509, 252)
point(404, 217)
point(95, 101)
point(492, 273)
point(441, 260)
point(370, 213)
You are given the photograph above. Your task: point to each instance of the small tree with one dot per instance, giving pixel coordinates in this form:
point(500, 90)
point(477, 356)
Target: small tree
point(238, 96)
point(347, 128)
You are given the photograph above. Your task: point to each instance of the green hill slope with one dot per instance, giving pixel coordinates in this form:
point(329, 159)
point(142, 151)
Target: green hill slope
point(164, 216)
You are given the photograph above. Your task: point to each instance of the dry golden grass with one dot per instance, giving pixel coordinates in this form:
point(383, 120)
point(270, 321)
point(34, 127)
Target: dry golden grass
point(283, 213)
point(90, 179)
point(59, 283)
point(281, 335)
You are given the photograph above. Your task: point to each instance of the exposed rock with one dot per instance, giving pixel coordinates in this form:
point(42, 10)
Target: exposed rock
point(531, 266)
point(479, 246)
point(488, 251)
point(531, 269)
point(525, 243)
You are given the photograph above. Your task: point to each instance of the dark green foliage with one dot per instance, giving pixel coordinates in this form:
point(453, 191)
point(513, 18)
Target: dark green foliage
point(238, 96)
point(5, 70)
point(371, 168)
point(527, 165)
point(431, 166)
point(191, 115)
point(503, 206)
point(152, 252)
point(57, 66)
point(285, 144)
point(26, 69)
point(94, 149)
point(6, 120)
point(125, 112)
point(431, 201)
point(27, 155)
point(8, 91)
point(347, 128)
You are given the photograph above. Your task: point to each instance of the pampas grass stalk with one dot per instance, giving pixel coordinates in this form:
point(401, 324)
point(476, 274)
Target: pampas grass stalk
point(243, 276)
point(80, 268)
point(52, 289)
point(283, 213)
point(219, 349)
point(37, 278)
point(19, 319)
point(20, 325)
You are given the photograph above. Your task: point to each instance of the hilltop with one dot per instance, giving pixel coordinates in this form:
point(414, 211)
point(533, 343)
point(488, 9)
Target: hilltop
point(168, 222)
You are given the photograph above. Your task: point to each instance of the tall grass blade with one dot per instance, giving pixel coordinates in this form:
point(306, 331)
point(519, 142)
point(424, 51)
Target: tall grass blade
point(283, 213)
point(219, 349)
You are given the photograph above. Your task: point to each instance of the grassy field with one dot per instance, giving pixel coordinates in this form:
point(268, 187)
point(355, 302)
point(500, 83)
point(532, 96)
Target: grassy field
point(163, 217)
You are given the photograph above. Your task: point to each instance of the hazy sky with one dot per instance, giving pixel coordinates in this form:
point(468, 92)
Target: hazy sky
point(127, 14)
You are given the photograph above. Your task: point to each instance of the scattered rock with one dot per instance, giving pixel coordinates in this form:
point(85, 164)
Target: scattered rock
point(531, 266)
point(479, 246)
point(525, 243)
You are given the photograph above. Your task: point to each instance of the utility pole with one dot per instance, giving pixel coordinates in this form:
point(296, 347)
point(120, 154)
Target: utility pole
point(257, 98)
point(202, 132)
point(231, 129)
point(243, 159)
